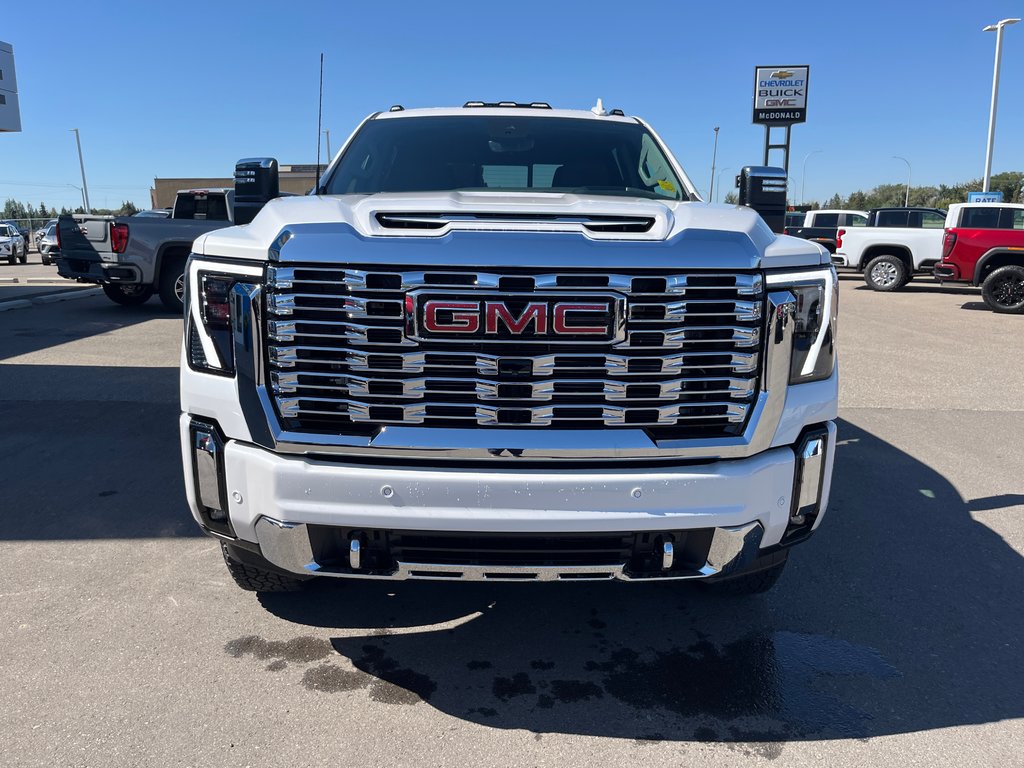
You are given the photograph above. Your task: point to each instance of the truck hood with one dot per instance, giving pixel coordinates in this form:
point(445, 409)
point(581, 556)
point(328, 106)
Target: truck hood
point(520, 229)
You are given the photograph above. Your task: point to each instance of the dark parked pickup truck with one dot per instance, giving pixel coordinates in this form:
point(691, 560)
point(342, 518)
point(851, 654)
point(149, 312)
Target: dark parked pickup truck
point(133, 257)
point(821, 226)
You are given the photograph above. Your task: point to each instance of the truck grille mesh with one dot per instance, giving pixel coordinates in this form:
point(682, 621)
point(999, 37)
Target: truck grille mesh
point(340, 360)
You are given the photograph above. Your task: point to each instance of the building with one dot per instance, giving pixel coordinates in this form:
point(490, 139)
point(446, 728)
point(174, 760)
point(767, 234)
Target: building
point(298, 179)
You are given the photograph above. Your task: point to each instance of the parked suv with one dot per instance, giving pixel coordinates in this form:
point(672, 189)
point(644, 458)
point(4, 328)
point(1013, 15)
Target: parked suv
point(984, 245)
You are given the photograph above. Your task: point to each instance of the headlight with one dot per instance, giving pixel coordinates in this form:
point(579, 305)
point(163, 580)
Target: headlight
point(210, 343)
point(814, 333)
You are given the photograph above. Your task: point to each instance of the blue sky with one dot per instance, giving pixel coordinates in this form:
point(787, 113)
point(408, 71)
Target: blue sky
point(184, 89)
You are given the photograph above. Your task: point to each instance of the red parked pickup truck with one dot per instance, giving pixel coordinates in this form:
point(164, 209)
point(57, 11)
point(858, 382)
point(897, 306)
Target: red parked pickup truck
point(984, 245)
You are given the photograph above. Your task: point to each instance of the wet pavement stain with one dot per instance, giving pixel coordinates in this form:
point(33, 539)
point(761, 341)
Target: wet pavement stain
point(506, 688)
point(277, 666)
point(769, 676)
point(329, 678)
point(299, 649)
point(397, 685)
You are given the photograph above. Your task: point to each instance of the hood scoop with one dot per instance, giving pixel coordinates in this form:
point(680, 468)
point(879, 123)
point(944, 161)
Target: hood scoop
point(504, 222)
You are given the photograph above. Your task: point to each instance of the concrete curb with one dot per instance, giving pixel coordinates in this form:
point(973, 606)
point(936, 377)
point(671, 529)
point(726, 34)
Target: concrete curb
point(46, 280)
point(8, 280)
point(50, 298)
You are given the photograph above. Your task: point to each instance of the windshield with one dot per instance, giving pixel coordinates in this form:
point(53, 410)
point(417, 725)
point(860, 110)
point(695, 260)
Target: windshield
point(507, 153)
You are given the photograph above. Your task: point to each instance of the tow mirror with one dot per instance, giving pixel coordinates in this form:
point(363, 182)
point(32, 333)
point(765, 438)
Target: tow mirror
point(763, 188)
point(257, 182)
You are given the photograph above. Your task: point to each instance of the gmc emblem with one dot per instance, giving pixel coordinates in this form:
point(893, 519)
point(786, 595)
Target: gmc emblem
point(515, 317)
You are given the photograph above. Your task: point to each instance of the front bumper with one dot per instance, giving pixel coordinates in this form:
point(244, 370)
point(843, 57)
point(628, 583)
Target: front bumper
point(275, 501)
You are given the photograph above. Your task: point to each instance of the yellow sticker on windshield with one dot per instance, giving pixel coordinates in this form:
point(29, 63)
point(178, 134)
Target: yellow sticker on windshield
point(668, 186)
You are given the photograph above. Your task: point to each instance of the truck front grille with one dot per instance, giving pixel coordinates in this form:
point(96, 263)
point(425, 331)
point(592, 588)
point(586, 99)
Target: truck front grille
point(342, 358)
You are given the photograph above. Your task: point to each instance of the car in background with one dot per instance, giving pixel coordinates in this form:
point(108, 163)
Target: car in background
point(983, 245)
point(896, 244)
point(155, 213)
point(40, 232)
point(47, 244)
point(12, 244)
point(821, 226)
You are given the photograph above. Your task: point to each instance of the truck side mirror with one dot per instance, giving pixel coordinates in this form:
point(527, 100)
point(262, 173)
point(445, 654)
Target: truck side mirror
point(256, 183)
point(763, 188)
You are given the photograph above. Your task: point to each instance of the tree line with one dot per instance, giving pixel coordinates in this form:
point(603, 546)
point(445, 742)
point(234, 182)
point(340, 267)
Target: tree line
point(14, 209)
point(1010, 183)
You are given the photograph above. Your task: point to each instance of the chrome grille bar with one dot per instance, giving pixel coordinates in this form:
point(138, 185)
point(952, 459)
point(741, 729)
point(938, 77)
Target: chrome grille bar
point(339, 356)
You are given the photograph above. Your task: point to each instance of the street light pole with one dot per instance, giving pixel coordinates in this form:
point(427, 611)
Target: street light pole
point(803, 175)
point(906, 200)
point(998, 29)
point(720, 172)
point(714, 157)
point(81, 164)
point(82, 193)
point(327, 132)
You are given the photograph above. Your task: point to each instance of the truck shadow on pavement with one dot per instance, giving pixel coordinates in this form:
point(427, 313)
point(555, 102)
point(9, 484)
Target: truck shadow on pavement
point(901, 615)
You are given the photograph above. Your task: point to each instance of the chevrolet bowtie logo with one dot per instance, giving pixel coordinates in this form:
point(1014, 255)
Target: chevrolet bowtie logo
point(781, 74)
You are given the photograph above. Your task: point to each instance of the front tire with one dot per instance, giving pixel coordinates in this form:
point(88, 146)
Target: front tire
point(1003, 290)
point(24, 254)
point(252, 578)
point(886, 273)
point(128, 295)
point(172, 285)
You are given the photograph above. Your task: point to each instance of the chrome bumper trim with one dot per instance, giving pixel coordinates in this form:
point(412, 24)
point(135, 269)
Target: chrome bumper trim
point(287, 546)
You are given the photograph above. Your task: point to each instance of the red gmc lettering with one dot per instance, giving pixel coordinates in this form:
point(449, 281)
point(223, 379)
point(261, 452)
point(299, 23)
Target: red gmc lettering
point(465, 316)
point(561, 324)
point(534, 311)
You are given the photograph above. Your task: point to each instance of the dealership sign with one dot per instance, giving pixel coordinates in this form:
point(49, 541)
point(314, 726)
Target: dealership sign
point(985, 197)
point(780, 95)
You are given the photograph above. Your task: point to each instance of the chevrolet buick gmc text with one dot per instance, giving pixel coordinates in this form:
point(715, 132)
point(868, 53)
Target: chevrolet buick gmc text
point(507, 342)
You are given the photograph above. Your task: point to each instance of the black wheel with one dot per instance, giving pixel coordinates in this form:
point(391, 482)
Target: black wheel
point(46, 262)
point(1003, 290)
point(253, 578)
point(172, 284)
point(886, 273)
point(12, 259)
point(750, 583)
point(128, 295)
point(24, 254)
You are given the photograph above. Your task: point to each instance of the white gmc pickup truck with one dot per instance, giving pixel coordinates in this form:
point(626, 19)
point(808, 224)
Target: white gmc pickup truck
point(507, 342)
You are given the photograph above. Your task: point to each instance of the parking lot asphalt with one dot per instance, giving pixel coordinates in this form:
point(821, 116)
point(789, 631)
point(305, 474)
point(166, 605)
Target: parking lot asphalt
point(894, 638)
point(25, 282)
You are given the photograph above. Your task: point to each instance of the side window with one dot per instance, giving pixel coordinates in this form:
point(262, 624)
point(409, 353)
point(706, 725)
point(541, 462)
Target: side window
point(930, 220)
point(892, 219)
point(856, 220)
point(980, 218)
point(1011, 218)
point(654, 170)
point(826, 220)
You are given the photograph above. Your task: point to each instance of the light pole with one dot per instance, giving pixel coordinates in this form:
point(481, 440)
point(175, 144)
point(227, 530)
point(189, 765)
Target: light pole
point(803, 175)
point(714, 157)
point(81, 191)
point(906, 200)
point(327, 132)
point(720, 172)
point(81, 164)
point(998, 29)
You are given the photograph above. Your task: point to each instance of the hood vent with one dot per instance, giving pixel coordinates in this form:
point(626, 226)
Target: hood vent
point(518, 221)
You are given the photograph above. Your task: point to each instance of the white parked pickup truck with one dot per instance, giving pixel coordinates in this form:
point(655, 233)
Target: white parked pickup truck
point(506, 342)
point(895, 244)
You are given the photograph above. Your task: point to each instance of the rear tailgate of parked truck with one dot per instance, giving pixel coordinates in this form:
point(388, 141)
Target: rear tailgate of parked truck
point(84, 246)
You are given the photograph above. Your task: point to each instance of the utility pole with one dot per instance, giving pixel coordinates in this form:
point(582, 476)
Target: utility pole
point(81, 164)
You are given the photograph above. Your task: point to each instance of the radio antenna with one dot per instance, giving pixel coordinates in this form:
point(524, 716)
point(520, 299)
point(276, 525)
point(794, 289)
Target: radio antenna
point(319, 123)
